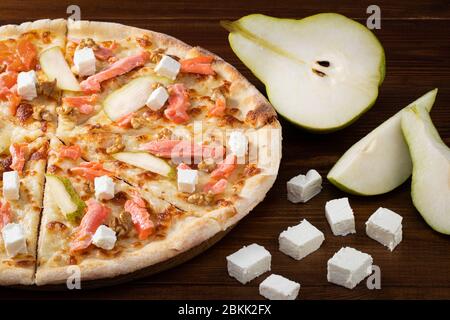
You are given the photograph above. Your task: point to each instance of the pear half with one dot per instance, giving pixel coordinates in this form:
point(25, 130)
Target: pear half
point(379, 162)
point(430, 187)
point(321, 72)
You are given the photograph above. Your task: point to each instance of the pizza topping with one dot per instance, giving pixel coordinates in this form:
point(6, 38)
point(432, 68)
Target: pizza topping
point(8, 79)
point(12, 97)
point(101, 52)
point(207, 165)
point(24, 112)
point(122, 66)
point(198, 65)
point(14, 239)
point(122, 224)
point(55, 67)
point(216, 187)
point(146, 161)
point(178, 104)
point(125, 121)
point(218, 110)
point(140, 216)
point(49, 89)
point(251, 170)
point(56, 226)
point(176, 149)
point(18, 153)
point(144, 41)
point(41, 113)
point(84, 104)
point(187, 178)
point(11, 185)
point(27, 53)
point(5, 214)
point(165, 134)
point(104, 237)
point(201, 198)
point(95, 216)
point(116, 146)
point(65, 197)
point(90, 170)
point(40, 154)
point(26, 85)
point(226, 168)
point(70, 152)
point(21, 56)
point(183, 166)
point(5, 164)
point(84, 62)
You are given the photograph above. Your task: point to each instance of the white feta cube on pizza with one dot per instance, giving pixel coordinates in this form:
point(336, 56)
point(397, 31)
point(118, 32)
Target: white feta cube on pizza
point(340, 217)
point(385, 226)
point(157, 98)
point(11, 185)
point(348, 267)
point(300, 240)
point(168, 67)
point(104, 237)
point(84, 61)
point(187, 180)
point(14, 239)
point(238, 143)
point(276, 287)
point(26, 85)
point(304, 187)
point(248, 263)
point(104, 188)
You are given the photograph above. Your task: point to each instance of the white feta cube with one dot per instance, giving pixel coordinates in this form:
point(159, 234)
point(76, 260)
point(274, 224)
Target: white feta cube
point(238, 143)
point(303, 187)
point(248, 263)
point(104, 237)
point(300, 240)
point(348, 267)
point(187, 180)
point(385, 226)
point(168, 67)
point(14, 239)
point(26, 85)
point(157, 98)
point(104, 188)
point(276, 287)
point(11, 185)
point(340, 217)
point(84, 61)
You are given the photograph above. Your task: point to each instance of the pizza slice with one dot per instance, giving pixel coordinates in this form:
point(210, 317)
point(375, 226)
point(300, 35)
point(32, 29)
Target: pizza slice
point(33, 72)
point(106, 227)
point(22, 166)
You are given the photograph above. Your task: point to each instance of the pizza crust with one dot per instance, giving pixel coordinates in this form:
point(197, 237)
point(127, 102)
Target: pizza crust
point(57, 26)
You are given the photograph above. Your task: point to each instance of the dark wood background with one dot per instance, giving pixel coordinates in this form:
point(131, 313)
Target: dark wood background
point(415, 35)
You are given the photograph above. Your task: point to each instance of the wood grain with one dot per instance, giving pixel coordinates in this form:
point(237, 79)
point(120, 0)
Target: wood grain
point(415, 36)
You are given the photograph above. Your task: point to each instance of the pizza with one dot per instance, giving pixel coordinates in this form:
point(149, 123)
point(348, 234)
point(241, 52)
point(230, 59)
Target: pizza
point(121, 148)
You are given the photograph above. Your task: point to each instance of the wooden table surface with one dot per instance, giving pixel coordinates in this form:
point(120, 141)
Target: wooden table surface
point(415, 36)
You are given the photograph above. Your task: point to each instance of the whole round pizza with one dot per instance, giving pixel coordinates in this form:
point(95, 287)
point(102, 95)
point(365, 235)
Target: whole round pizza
point(120, 149)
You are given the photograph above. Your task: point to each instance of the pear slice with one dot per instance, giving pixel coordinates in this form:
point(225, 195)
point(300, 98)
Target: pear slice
point(321, 72)
point(146, 161)
point(65, 197)
point(430, 187)
point(56, 67)
point(130, 97)
point(379, 162)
